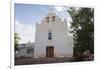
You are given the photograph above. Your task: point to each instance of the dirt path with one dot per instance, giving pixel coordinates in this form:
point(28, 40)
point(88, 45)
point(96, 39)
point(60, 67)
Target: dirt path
point(41, 61)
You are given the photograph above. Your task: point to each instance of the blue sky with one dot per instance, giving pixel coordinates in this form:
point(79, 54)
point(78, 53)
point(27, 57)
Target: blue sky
point(27, 15)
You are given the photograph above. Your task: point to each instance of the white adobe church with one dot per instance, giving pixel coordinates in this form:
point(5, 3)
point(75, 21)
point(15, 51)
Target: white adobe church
point(51, 38)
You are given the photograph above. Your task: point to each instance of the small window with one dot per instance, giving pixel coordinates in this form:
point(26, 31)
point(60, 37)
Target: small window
point(31, 50)
point(53, 18)
point(50, 35)
point(47, 19)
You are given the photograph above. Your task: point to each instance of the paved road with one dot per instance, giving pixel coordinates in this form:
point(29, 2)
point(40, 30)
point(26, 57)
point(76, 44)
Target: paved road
point(41, 61)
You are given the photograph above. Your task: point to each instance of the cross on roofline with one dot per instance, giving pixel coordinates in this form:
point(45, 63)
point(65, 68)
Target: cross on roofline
point(51, 10)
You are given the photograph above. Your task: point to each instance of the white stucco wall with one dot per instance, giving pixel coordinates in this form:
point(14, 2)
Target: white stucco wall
point(63, 44)
point(23, 50)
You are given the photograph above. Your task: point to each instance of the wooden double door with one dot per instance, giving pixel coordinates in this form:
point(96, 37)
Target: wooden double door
point(50, 51)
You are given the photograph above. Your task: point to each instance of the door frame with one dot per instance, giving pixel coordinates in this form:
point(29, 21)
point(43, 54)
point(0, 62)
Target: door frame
point(49, 51)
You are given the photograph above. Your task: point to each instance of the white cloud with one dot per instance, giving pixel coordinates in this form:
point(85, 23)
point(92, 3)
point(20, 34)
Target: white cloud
point(59, 9)
point(26, 32)
point(62, 12)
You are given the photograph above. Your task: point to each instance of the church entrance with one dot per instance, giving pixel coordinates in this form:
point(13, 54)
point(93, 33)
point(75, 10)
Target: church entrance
point(50, 51)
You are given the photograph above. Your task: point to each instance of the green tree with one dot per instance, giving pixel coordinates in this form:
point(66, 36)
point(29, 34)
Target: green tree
point(82, 26)
point(16, 40)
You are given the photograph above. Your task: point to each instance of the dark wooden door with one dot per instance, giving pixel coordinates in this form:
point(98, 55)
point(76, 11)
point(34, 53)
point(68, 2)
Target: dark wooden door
point(50, 51)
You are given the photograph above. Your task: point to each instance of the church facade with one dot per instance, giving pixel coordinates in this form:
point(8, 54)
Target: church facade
point(52, 39)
